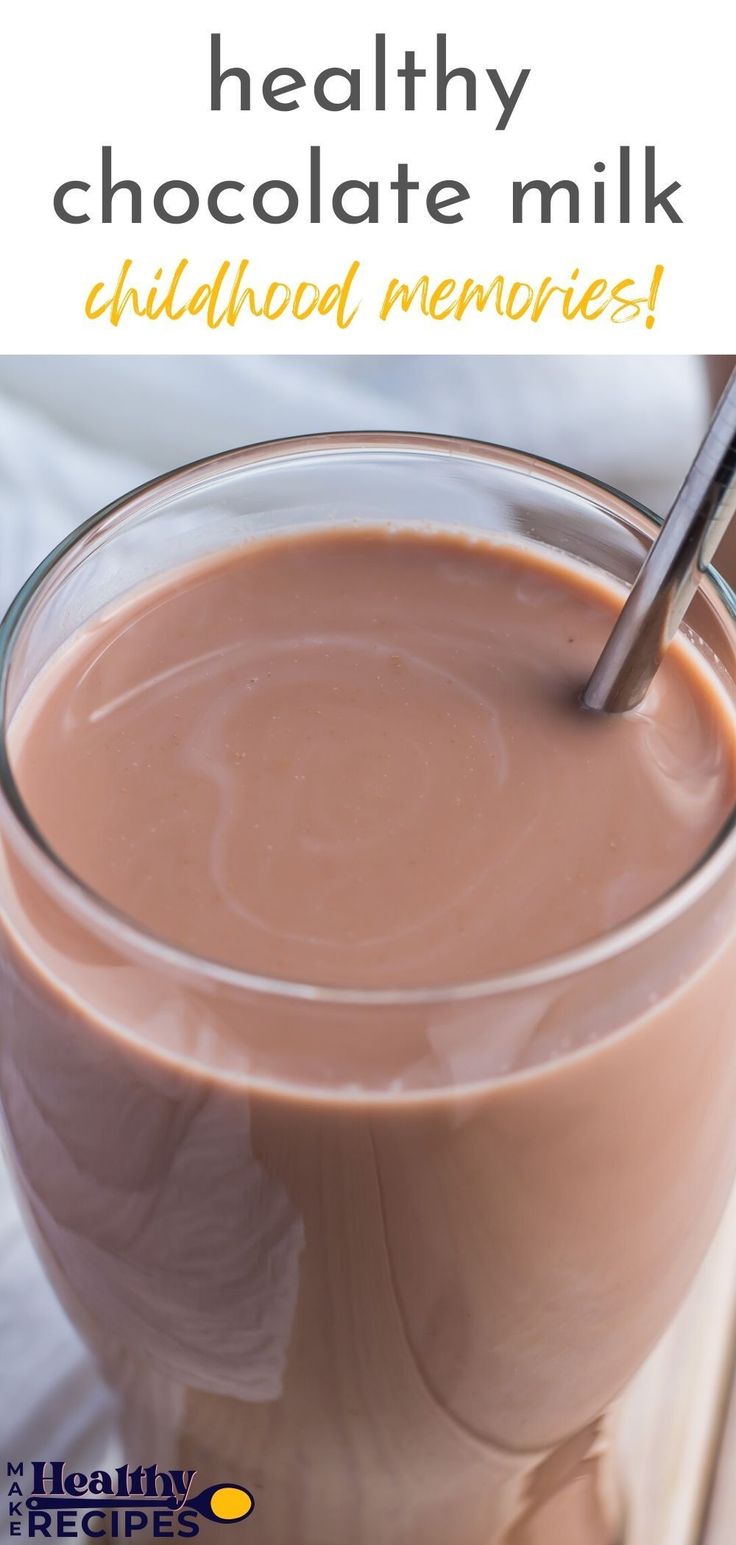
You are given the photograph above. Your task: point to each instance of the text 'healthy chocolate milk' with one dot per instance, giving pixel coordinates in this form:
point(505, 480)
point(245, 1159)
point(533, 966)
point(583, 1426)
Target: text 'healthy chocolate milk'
point(364, 1208)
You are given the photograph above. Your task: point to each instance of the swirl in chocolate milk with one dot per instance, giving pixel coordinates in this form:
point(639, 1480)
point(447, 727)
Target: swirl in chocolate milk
point(357, 757)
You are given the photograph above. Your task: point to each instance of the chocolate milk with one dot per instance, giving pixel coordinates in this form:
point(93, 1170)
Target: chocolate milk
point(382, 1253)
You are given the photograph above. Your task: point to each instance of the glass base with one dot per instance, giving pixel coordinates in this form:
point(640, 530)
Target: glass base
point(572, 1498)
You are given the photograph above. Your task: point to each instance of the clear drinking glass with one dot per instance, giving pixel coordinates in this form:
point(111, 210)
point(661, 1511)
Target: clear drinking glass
point(258, 1241)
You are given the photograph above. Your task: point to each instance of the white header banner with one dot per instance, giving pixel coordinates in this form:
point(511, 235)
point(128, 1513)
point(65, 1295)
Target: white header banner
point(461, 178)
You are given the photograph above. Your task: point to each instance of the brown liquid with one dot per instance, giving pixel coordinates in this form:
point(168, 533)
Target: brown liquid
point(325, 1255)
point(359, 759)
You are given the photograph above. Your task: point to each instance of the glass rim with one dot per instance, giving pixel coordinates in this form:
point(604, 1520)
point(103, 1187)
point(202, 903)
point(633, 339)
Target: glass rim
point(125, 930)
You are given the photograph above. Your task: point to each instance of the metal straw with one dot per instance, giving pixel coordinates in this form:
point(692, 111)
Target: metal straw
point(671, 571)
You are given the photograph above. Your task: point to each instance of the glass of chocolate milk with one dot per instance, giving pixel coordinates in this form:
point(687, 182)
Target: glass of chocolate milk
point(367, 1046)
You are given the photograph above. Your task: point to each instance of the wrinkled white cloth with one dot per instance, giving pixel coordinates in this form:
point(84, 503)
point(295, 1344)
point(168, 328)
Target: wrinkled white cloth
point(77, 432)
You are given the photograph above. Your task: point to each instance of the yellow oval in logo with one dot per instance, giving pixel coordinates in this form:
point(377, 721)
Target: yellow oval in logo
point(231, 1503)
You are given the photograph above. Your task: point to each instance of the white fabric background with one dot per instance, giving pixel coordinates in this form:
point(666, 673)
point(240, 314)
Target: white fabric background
point(77, 432)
